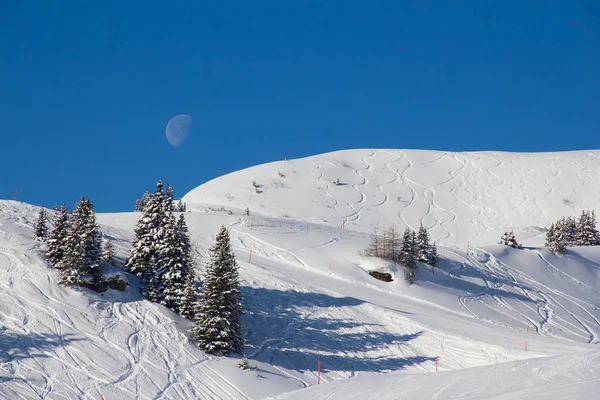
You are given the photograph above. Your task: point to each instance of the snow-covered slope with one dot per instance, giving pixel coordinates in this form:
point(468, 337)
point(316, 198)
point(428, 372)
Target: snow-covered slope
point(309, 300)
point(459, 196)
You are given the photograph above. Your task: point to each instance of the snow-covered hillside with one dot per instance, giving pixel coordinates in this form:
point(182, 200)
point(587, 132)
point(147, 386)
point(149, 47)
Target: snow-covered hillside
point(459, 196)
point(501, 321)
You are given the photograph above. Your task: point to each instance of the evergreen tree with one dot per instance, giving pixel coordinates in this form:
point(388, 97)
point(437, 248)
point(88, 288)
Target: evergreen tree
point(57, 239)
point(550, 236)
point(140, 204)
point(432, 256)
point(145, 258)
point(40, 231)
point(173, 282)
point(217, 328)
point(108, 254)
point(190, 297)
point(586, 233)
point(423, 247)
point(181, 207)
point(409, 254)
point(169, 202)
point(83, 246)
point(509, 239)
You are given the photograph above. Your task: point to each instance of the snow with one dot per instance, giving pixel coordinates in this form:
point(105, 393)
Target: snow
point(308, 297)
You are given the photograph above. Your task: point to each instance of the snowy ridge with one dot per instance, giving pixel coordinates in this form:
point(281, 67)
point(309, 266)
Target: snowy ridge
point(459, 196)
point(307, 295)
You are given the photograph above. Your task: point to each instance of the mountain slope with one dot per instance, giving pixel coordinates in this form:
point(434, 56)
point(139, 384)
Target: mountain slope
point(459, 196)
point(308, 298)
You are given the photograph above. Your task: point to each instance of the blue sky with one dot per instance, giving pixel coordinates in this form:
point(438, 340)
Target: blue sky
point(87, 88)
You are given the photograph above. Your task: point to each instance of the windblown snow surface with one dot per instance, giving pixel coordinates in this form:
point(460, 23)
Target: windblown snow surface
point(503, 323)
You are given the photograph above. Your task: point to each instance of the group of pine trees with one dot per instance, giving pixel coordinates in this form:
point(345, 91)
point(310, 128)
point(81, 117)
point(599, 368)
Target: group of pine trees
point(74, 245)
point(509, 239)
point(409, 249)
point(570, 232)
point(161, 255)
point(141, 204)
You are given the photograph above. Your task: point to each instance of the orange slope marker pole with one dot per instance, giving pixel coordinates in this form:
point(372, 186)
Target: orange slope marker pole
point(437, 364)
point(319, 372)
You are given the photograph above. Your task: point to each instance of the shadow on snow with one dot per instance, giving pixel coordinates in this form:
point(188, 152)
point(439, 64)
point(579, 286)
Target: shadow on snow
point(14, 347)
point(288, 329)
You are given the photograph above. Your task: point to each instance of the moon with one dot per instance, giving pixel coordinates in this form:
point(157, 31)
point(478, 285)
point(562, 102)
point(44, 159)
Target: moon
point(178, 129)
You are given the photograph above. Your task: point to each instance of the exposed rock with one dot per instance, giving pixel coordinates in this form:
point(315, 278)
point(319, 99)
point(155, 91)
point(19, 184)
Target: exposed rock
point(99, 287)
point(117, 283)
point(382, 276)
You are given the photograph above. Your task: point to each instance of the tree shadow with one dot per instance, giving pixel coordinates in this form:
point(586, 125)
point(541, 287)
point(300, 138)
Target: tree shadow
point(293, 330)
point(458, 275)
point(15, 347)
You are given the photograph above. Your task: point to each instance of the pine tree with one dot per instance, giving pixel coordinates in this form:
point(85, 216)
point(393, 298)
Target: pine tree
point(217, 328)
point(152, 275)
point(571, 230)
point(432, 257)
point(586, 232)
point(169, 202)
point(57, 239)
point(83, 246)
point(423, 247)
point(108, 254)
point(181, 207)
point(173, 282)
point(140, 204)
point(40, 231)
point(509, 239)
point(550, 236)
point(190, 297)
point(145, 258)
point(595, 236)
point(409, 254)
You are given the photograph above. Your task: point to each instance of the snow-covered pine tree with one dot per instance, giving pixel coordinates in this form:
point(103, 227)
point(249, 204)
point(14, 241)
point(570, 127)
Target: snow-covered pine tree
point(423, 247)
point(408, 254)
point(586, 232)
point(108, 252)
point(181, 207)
point(152, 276)
point(40, 230)
point(550, 235)
point(173, 282)
point(57, 238)
point(217, 328)
point(84, 249)
point(432, 257)
point(570, 228)
point(563, 233)
point(185, 304)
point(140, 204)
point(596, 234)
point(509, 239)
point(169, 202)
point(190, 296)
point(144, 260)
